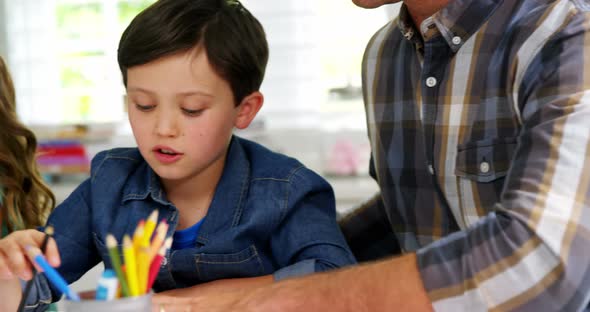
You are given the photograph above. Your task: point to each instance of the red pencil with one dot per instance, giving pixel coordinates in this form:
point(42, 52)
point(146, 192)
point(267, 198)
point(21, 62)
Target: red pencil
point(156, 262)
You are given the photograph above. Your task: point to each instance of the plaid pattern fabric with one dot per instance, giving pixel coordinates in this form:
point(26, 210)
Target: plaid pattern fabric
point(481, 146)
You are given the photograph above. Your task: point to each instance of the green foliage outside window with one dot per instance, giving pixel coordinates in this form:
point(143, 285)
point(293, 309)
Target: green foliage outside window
point(86, 36)
point(76, 21)
point(129, 9)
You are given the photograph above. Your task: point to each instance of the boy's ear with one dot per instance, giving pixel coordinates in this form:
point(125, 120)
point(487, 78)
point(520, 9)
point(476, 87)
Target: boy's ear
point(248, 109)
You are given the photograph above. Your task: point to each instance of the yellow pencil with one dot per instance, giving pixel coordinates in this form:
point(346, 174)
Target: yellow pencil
point(138, 235)
point(130, 266)
point(150, 225)
point(143, 267)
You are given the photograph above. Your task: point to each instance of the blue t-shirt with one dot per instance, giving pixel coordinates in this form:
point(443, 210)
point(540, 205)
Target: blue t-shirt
point(186, 238)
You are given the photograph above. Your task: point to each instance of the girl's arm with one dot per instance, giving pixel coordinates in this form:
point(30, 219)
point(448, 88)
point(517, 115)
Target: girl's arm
point(15, 264)
point(11, 292)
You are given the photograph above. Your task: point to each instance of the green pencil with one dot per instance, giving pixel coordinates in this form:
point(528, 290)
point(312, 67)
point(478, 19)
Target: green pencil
point(116, 262)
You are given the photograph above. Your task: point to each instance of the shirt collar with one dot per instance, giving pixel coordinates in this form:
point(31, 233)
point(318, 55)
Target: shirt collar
point(406, 25)
point(225, 208)
point(456, 22)
point(142, 183)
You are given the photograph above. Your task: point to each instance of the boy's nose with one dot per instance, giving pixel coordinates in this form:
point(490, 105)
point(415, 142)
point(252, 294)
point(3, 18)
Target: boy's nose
point(166, 126)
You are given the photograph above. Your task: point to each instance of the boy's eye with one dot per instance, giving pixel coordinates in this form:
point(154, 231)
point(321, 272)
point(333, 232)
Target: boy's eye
point(144, 108)
point(192, 112)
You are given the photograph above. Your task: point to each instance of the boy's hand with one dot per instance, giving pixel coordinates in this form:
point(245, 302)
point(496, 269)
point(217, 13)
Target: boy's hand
point(13, 259)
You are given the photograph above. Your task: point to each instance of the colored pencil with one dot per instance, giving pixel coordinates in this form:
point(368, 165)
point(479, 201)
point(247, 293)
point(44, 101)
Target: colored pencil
point(159, 238)
point(138, 235)
point(116, 263)
point(150, 225)
point(157, 262)
point(52, 275)
point(48, 233)
point(143, 266)
point(130, 265)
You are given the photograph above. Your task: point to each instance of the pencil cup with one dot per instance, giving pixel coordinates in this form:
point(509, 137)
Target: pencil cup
point(139, 303)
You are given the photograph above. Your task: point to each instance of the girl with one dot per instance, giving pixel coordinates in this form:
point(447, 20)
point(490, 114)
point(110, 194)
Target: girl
point(25, 201)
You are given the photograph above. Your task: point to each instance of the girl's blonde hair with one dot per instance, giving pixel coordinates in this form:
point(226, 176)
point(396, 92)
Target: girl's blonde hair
point(26, 199)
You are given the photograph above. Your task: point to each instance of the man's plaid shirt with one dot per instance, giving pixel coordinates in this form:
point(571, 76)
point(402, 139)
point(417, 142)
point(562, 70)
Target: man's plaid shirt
point(480, 129)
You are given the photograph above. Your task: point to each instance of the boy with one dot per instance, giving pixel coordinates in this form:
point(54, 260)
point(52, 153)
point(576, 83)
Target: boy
point(238, 212)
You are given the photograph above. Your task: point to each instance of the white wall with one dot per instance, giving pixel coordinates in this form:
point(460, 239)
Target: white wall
point(292, 78)
point(2, 31)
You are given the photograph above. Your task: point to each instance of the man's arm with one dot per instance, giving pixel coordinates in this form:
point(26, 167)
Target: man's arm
point(214, 287)
point(368, 232)
point(380, 286)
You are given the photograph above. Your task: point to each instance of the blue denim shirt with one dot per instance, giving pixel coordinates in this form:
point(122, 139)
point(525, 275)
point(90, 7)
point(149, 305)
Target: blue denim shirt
point(269, 215)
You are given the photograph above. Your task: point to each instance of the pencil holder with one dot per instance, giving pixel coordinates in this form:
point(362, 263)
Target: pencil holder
point(139, 303)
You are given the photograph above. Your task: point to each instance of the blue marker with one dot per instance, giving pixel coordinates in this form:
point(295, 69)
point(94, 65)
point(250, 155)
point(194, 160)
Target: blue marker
point(52, 275)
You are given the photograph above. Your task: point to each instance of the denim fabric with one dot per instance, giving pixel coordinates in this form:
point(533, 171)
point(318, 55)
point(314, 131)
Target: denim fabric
point(269, 215)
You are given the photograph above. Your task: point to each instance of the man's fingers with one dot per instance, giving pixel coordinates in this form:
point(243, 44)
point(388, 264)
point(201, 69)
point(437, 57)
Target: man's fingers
point(162, 303)
point(163, 307)
point(157, 299)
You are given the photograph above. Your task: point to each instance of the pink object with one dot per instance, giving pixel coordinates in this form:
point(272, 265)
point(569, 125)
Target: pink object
point(343, 159)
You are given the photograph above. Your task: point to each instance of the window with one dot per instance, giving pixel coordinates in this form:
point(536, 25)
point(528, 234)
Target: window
point(316, 47)
point(63, 57)
point(88, 33)
point(345, 33)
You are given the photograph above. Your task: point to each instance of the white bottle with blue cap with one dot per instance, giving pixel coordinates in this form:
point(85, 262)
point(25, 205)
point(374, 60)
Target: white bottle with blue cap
point(107, 286)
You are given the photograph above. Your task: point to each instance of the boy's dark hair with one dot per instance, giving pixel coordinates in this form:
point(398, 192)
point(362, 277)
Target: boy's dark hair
point(232, 37)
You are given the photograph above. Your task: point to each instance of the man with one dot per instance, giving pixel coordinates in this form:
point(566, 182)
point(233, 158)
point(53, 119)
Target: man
point(478, 114)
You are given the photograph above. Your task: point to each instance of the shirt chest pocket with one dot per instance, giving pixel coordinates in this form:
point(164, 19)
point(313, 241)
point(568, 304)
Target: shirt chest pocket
point(481, 168)
point(245, 263)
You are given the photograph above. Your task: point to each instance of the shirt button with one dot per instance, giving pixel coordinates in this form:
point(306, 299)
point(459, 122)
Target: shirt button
point(431, 82)
point(484, 167)
point(456, 40)
point(431, 169)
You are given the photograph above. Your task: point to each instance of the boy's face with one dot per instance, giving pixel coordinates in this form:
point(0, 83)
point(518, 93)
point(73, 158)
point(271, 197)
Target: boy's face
point(182, 115)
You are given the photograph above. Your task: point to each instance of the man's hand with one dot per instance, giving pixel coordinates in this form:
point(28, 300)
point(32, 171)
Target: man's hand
point(392, 284)
point(220, 294)
point(213, 302)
